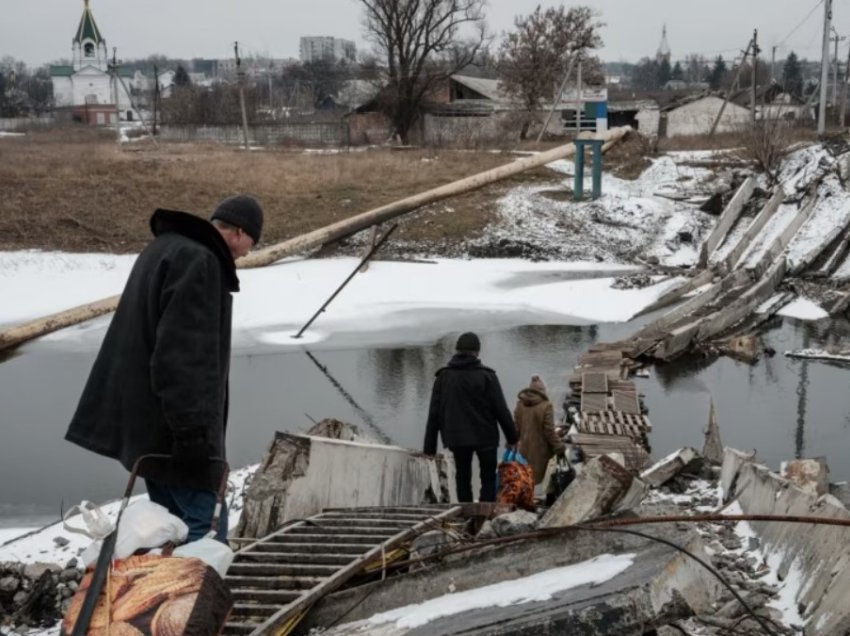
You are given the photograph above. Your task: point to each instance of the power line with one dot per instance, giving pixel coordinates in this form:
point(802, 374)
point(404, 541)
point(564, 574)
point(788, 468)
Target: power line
point(802, 22)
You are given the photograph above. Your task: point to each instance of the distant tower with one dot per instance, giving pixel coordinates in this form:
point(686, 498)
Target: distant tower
point(89, 46)
point(663, 52)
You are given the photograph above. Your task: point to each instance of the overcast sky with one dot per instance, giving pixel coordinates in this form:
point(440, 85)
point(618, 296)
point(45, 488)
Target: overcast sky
point(39, 31)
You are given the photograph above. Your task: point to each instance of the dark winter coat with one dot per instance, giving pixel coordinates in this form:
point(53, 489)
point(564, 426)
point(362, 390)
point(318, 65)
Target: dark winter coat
point(159, 383)
point(467, 407)
point(535, 421)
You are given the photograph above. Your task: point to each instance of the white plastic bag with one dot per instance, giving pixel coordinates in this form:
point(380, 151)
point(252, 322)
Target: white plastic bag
point(214, 553)
point(144, 524)
point(97, 524)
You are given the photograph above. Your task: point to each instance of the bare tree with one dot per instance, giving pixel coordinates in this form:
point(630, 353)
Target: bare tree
point(422, 45)
point(534, 58)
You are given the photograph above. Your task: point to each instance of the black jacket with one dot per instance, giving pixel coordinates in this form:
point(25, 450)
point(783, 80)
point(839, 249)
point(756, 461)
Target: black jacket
point(161, 373)
point(466, 405)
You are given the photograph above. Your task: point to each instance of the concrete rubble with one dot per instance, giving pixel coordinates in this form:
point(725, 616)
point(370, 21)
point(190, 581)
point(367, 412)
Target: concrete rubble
point(809, 475)
point(814, 557)
point(301, 475)
point(601, 487)
point(658, 587)
point(685, 459)
point(35, 595)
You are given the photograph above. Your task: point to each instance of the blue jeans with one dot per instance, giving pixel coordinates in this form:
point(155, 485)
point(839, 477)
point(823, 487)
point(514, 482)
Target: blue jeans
point(194, 507)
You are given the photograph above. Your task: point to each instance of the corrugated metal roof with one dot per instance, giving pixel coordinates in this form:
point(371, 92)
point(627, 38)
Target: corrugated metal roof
point(61, 70)
point(490, 88)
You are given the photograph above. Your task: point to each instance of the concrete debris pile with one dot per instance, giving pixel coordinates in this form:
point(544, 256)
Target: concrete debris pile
point(635, 281)
point(35, 595)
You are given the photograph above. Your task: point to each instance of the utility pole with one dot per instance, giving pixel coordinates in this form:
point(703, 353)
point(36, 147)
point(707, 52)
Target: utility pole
point(114, 69)
point(578, 100)
point(271, 69)
point(734, 85)
point(755, 74)
point(824, 66)
point(842, 119)
point(836, 39)
point(773, 65)
point(557, 98)
point(240, 75)
point(155, 96)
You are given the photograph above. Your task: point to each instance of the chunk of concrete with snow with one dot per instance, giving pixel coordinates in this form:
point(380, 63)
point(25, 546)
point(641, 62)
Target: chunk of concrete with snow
point(596, 491)
point(517, 522)
point(302, 475)
point(733, 460)
point(665, 469)
point(812, 475)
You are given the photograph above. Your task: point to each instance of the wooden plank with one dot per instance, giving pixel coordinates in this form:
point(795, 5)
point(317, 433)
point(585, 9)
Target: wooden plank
point(626, 402)
point(594, 383)
point(594, 402)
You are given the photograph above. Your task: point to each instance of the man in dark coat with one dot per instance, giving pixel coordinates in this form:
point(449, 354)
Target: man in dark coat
point(467, 409)
point(160, 381)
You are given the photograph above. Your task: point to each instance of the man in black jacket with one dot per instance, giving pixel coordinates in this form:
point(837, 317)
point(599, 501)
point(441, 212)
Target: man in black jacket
point(467, 409)
point(159, 383)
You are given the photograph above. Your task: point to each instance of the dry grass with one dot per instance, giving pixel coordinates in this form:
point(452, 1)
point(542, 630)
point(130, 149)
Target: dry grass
point(725, 141)
point(79, 191)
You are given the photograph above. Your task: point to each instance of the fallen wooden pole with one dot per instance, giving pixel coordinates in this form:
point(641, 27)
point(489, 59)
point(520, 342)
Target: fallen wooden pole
point(384, 213)
point(27, 331)
point(24, 332)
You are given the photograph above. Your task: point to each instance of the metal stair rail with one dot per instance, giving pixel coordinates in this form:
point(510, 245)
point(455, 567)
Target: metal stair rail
point(275, 580)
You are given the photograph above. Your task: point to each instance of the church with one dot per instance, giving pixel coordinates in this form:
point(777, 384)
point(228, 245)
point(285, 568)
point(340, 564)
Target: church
point(83, 91)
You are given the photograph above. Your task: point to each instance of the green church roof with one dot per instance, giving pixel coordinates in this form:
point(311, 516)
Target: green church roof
point(61, 70)
point(88, 28)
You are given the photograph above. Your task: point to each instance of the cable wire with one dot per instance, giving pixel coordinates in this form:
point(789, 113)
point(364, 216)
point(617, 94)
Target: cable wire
point(801, 23)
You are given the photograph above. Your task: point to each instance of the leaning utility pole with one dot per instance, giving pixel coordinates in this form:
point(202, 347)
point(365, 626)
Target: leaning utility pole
point(734, 84)
point(240, 75)
point(824, 66)
point(836, 39)
point(557, 98)
point(755, 74)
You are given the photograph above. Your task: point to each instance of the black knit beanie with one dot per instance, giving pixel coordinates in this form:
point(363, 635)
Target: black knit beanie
point(243, 212)
point(468, 342)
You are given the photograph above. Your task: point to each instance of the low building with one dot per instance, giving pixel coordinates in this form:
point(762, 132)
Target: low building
point(695, 115)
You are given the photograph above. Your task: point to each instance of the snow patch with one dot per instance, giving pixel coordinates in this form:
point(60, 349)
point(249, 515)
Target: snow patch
point(392, 302)
point(803, 309)
point(538, 587)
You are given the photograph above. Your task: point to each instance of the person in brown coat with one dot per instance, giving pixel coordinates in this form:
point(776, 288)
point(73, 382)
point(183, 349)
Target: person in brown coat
point(535, 422)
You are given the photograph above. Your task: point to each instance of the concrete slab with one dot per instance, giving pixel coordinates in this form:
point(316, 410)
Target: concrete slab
point(661, 585)
point(595, 492)
point(301, 475)
point(815, 556)
point(665, 469)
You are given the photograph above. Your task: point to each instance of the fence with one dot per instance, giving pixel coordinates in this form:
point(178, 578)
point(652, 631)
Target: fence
point(25, 123)
point(302, 133)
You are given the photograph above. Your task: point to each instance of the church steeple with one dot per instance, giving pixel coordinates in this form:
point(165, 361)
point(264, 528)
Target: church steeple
point(89, 45)
point(88, 27)
point(663, 52)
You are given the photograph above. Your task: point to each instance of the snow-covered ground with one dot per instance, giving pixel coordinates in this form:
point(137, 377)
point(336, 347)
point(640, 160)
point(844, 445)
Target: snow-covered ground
point(829, 217)
point(391, 302)
point(54, 544)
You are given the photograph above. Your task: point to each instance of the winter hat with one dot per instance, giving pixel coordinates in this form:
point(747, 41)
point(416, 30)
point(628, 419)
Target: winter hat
point(537, 383)
point(243, 212)
point(468, 342)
